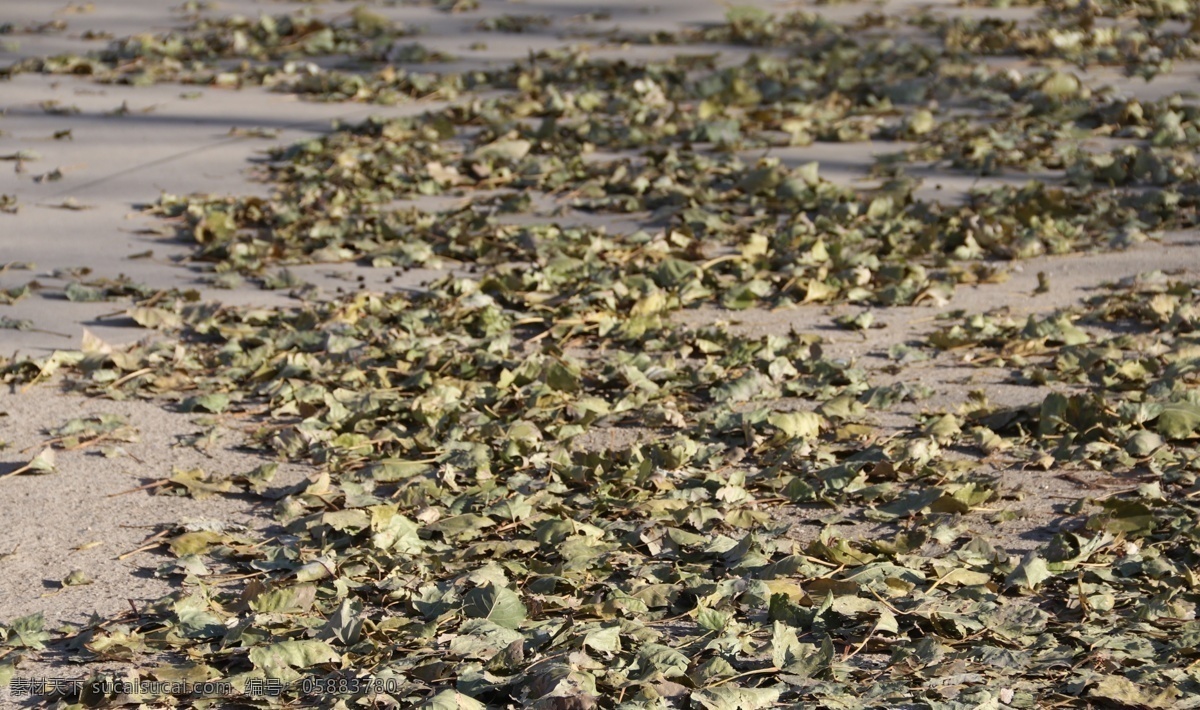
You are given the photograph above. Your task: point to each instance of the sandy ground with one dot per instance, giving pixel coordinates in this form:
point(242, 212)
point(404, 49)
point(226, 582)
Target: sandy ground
point(80, 518)
point(88, 516)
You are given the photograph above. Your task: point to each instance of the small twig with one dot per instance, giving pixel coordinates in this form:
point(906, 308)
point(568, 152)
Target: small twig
point(153, 541)
point(132, 375)
point(539, 336)
point(507, 526)
point(31, 383)
point(1119, 492)
point(234, 577)
point(148, 486)
point(717, 260)
point(760, 671)
point(49, 332)
point(15, 472)
point(881, 600)
point(862, 645)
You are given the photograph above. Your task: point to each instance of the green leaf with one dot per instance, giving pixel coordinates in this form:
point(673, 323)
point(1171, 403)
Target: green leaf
point(43, 463)
point(213, 403)
point(653, 657)
point(909, 504)
point(392, 531)
point(797, 425)
point(500, 605)
point(276, 657)
point(452, 700)
point(731, 697)
point(196, 620)
point(1179, 420)
point(1031, 572)
point(461, 527)
point(287, 600)
point(713, 619)
point(195, 542)
point(786, 648)
point(259, 477)
point(345, 625)
point(1126, 693)
point(198, 484)
point(509, 151)
point(76, 578)
point(80, 293)
point(26, 632)
point(606, 639)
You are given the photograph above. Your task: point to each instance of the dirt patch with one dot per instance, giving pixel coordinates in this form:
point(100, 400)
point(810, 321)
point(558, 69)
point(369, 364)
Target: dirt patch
point(87, 516)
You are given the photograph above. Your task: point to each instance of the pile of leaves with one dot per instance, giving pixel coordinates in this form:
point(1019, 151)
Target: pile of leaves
point(1122, 363)
point(462, 540)
point(534, 487)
